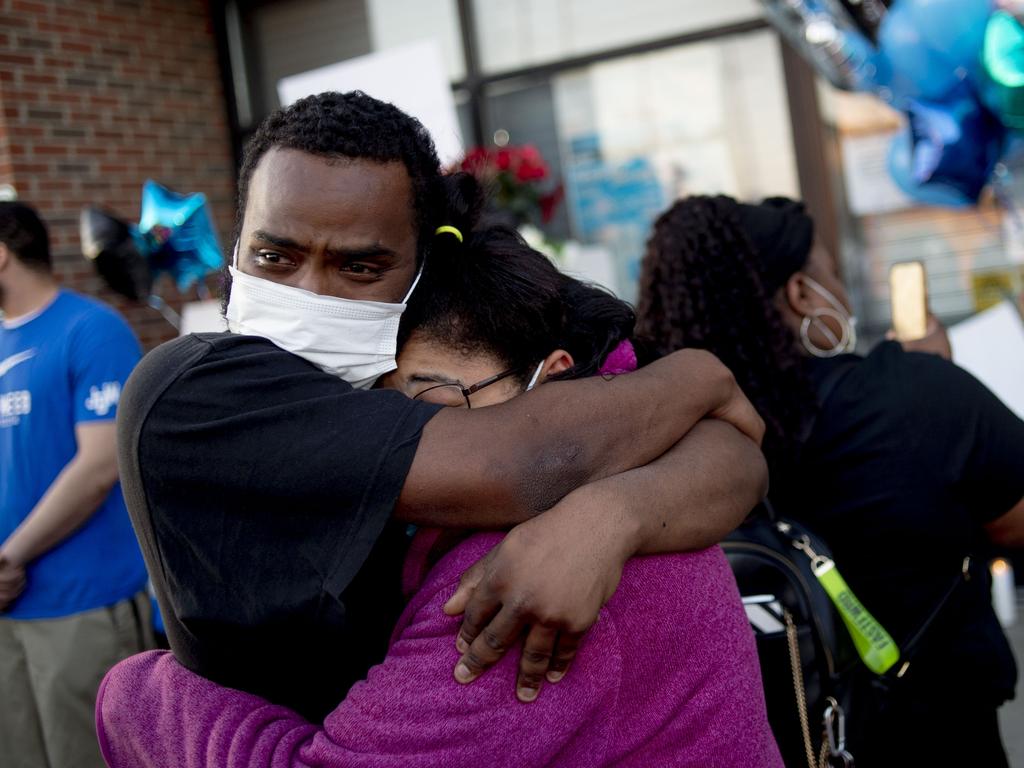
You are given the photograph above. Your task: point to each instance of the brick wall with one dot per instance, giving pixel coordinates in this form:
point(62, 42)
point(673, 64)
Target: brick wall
point(96, 96)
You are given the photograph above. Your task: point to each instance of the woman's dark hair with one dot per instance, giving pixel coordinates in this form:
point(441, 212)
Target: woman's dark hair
point(596, 322)
point(495, 295)
point(701, 286)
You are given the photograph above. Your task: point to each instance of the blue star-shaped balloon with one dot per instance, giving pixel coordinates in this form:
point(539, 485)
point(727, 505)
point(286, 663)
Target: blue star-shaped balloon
point(178, 234)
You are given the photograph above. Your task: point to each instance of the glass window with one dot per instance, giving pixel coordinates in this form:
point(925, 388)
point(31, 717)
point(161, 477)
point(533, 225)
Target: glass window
point(525, 112)
point(300, 35)
point(395, 23)
point(633, 134)
point(519, 33)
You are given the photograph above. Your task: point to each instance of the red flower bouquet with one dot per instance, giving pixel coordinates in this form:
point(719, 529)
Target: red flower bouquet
point(515, 176)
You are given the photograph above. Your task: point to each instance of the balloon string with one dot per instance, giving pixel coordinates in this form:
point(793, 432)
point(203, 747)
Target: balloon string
point(165, 310)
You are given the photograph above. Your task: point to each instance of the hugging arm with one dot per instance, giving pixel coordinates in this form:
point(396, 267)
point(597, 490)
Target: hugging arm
point(409, 713)
point(551, 575)
point(499, 466)
point(580, 443)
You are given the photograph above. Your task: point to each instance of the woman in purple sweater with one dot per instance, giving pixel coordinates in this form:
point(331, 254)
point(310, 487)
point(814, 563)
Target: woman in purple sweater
point(668, 675)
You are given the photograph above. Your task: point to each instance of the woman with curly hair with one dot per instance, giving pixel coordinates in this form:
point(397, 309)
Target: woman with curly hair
point(902, 462)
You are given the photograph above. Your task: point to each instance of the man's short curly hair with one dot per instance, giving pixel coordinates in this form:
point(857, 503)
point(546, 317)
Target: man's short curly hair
point(351, 125)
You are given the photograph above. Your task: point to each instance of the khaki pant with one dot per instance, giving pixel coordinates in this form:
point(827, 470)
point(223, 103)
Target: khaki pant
point(50, 672)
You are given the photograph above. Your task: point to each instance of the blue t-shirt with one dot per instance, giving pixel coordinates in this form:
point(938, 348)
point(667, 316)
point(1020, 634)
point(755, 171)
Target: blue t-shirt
point(59, 368)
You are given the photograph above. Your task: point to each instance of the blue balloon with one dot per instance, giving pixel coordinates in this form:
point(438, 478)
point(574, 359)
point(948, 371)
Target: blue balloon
point(901, 168)
point(824, 33)
point(956, 143)
point(178, 234)
point(954, 28)
point(919, 71)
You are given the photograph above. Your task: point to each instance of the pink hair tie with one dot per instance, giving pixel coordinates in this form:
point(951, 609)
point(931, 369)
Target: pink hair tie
point(622, 359)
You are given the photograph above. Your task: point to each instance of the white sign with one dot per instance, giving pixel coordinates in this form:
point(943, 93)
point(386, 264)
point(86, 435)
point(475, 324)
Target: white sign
point(990, 345)
point(869, 188)
point(412, 78)
point(591, 264)
point(202, 317)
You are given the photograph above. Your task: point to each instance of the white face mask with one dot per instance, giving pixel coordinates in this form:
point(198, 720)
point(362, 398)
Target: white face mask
point(353, 340)
point(847, 322)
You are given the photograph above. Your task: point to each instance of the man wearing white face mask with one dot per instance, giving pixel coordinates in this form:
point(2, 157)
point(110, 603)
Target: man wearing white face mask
point(270, 490)
point(353, 340)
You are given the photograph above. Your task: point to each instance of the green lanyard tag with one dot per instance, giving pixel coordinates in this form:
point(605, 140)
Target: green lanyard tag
point(876, 647)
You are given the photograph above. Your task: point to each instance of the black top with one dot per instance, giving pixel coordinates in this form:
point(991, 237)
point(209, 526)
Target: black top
point(261, 490)
point(908, 457)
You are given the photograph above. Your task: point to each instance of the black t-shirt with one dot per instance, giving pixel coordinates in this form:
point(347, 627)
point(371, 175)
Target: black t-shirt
point(261, 490)
point(908, 457)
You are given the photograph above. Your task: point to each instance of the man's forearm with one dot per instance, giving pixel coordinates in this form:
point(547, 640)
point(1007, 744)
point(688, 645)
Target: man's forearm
point(689, 498)
point(71, 500)
point(499, 466)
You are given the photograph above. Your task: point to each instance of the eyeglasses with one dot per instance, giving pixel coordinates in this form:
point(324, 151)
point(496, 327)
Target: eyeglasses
point(457, 396)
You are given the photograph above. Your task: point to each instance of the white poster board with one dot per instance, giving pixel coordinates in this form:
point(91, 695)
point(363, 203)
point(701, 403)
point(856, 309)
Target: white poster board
point(591, 264)
point(869, 187)
point(990, 346)
point(202, 317)
point(412, 78)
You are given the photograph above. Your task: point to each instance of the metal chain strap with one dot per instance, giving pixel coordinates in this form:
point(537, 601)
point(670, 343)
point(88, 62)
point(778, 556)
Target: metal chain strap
point(801, 696)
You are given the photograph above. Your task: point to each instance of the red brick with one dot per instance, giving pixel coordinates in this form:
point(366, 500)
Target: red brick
point(104, 101)
point(57, 28)
point(116, 104)
point(27, 169)
point(54, 185)
point(50, 151)
point(76, 46)
point(92, 150)
point(60, 63)
point(20, 96)
point(57, 97)
point(15, 22)
point(17, 59)
point(26, 6)
point(34, 78)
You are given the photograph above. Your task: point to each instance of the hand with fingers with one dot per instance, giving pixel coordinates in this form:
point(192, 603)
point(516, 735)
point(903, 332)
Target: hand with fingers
point(12, 581)
point(546, 582)
point(934, 342)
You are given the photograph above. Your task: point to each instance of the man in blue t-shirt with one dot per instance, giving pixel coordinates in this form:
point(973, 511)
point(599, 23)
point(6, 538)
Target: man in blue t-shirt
point(72, 580)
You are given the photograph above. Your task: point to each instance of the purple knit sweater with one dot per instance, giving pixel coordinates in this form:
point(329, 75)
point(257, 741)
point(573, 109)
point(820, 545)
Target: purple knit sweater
point(667, 677)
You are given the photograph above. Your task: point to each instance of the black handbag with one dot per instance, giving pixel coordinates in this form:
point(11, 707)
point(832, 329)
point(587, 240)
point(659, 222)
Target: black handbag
point(821, 699)
point(808, 660)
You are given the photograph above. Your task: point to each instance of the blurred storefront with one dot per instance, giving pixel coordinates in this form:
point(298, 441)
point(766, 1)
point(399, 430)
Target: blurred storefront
point(631, 104)
point(634, 104)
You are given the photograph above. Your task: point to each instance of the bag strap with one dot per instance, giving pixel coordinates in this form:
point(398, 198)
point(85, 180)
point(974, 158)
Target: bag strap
point(909, 648)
